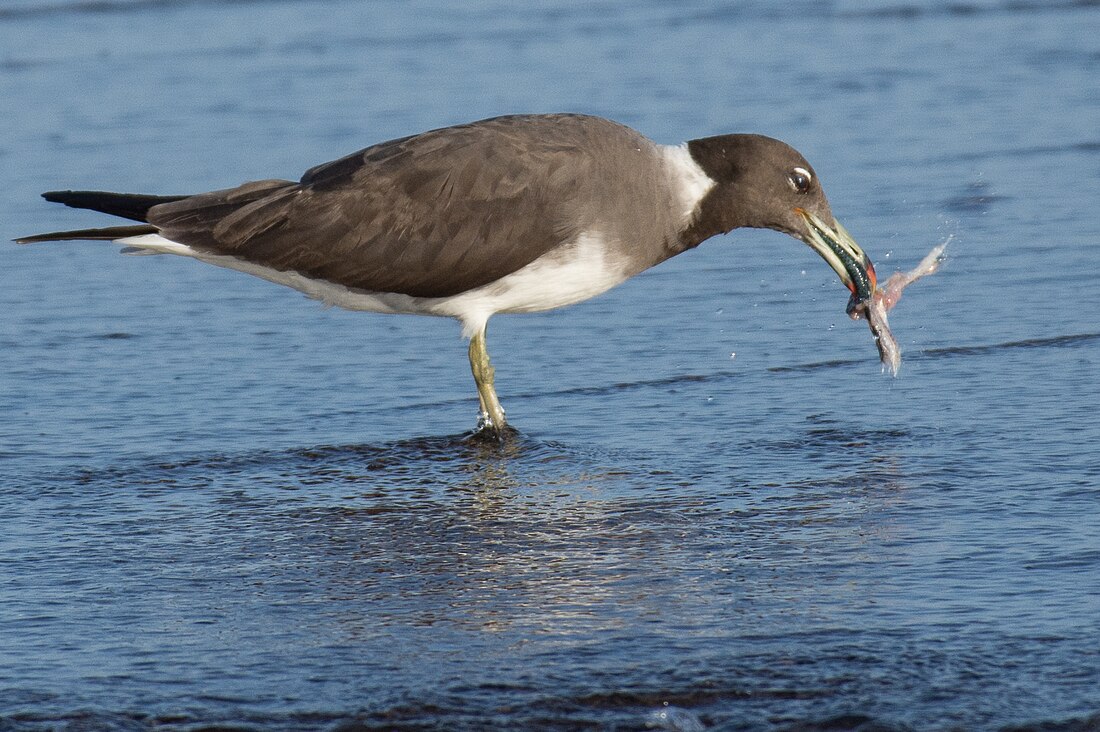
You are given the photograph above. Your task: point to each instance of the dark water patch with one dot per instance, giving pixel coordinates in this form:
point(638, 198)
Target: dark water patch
point(825, 435)
point(419, 467)
point(79, 721)
point(741, 11)
point(755, 696)
point(623, 711)
point(18, 65)
point(457, 450)
point(595, 390)
point(1089, 723)
point(626, 386)
point(844, 723)
point(116, 7)
point(1084, 559)
point(112, 336)
point(90, 720)
point(1056, 342)
point(676, 710)
point(850, 437)
point(727, 12)
point(1060, 58)
point(1070, 148)
point(816, 365)
point(978, 198)
point(911, 11)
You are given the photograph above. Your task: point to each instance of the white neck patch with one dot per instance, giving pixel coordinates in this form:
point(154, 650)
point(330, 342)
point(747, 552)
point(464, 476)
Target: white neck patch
point(689, 182)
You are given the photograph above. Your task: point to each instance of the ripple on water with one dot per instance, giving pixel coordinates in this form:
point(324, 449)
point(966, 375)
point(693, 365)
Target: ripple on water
point(210, 519)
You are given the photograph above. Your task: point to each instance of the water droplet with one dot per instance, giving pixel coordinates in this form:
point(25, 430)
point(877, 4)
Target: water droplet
point(674, 719)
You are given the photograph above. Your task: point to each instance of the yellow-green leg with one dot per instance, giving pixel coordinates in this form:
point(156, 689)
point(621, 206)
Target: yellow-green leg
point(492, 414)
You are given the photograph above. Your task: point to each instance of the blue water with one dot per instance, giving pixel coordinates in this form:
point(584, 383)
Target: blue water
point(225, 506)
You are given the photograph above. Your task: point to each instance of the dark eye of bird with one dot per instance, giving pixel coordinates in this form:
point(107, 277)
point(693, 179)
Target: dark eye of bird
point(799, 180)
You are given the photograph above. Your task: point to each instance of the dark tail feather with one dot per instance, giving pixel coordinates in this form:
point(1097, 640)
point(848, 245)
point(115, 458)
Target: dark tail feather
point(133, 206)
point(108, 234)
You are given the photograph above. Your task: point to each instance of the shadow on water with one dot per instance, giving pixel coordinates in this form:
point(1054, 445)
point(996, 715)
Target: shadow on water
point(474, 461)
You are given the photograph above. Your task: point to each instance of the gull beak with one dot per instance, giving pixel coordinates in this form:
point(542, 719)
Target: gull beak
point(837, 247)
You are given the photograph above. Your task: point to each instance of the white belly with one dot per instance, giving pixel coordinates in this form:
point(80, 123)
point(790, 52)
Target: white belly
point(561, 277)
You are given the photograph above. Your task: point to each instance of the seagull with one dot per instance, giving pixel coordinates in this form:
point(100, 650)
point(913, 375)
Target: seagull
point(512, 214)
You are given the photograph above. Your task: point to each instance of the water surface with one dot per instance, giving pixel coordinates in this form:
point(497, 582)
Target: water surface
point(224, 506)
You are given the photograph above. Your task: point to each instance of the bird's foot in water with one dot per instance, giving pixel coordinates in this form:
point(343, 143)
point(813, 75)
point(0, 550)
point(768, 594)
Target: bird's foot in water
point(485, 422)
point(488, 429)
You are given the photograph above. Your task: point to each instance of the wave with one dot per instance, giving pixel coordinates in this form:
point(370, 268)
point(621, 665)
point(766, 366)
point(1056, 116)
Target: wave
point(623, 710)
point(842, 9)
point(1061, 341)
point(15, 11)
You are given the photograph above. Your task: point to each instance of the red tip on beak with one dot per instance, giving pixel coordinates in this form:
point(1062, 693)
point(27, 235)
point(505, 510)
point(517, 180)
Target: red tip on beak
point(871, 276)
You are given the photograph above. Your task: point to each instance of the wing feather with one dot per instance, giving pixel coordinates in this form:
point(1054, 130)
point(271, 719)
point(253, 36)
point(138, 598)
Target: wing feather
point(430, 215)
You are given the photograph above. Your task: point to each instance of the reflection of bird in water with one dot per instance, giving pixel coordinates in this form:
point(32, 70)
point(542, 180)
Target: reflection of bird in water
point(507, 215)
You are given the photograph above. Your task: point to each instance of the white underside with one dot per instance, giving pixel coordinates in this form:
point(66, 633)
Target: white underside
point(561, 277)
point(569, 274)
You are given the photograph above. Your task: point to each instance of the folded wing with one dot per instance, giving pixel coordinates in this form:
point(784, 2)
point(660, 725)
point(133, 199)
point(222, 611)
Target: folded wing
point(431, 215)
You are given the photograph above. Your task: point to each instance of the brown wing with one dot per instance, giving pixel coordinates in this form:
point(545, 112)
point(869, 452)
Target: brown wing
point(431, 215)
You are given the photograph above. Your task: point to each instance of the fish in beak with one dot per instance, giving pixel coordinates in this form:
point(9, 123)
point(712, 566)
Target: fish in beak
point(837, 247)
